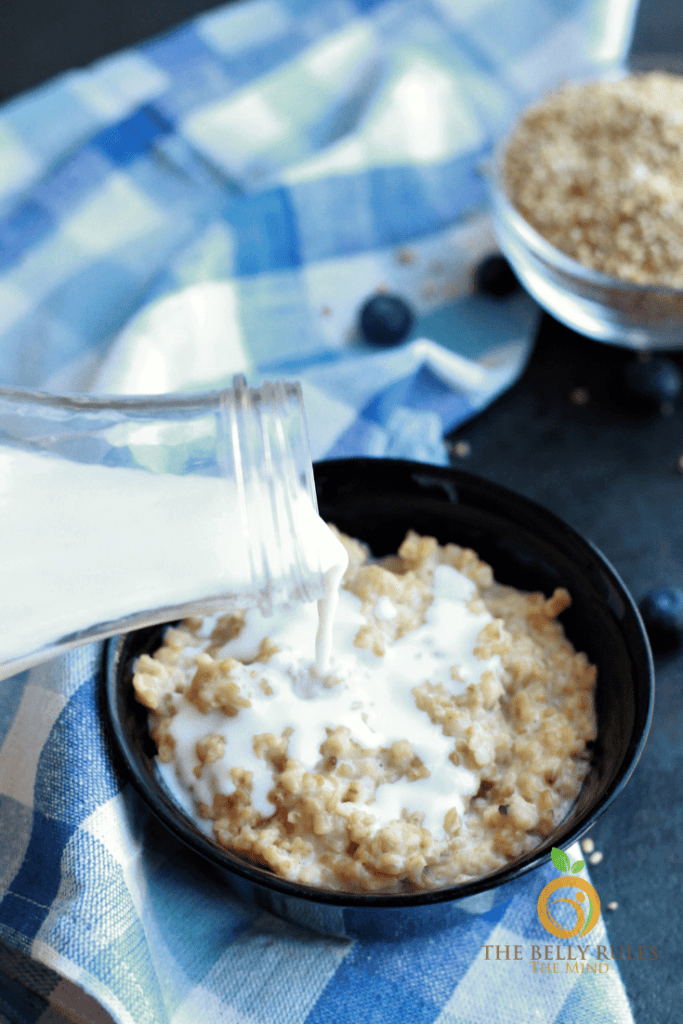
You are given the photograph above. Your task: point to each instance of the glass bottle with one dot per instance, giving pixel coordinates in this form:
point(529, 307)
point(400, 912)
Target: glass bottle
point(121, 512)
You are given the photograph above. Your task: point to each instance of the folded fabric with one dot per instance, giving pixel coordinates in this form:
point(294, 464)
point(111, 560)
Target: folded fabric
point(379, 161)
point(358, 401)
point(222, 200)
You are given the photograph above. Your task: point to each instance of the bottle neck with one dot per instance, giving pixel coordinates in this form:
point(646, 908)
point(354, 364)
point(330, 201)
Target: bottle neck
point(264, 450)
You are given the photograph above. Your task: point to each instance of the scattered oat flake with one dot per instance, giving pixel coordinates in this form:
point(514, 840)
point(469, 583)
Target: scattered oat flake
point(613, 905)
point(680, 464)
point(595, 858)
point(461, 449)
point(579, 396)
point(326, 311)
point(405, 256)
point(587, 845)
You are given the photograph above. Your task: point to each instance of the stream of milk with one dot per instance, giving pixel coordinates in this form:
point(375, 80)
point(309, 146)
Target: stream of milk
point(373, 698)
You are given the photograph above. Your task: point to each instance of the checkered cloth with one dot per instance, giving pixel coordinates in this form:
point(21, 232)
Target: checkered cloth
point(222, 200)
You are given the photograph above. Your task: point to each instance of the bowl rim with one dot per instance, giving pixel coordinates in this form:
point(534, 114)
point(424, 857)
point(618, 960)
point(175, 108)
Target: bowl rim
point(166, 809)
point(504, 207)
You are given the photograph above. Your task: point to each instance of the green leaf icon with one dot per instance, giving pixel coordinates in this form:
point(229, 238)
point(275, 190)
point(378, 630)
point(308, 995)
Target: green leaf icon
point(577, 865)
point(560, 859)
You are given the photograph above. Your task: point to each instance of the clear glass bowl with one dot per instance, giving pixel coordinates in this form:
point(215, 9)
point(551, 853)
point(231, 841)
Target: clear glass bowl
point(597, 305)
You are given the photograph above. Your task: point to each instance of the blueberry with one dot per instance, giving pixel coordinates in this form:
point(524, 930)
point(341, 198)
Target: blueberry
point(652, 383)
point(494, 276)
point(662, 612)
point(386, 319)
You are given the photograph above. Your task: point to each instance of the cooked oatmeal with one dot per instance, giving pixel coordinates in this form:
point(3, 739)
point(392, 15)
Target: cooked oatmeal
point(447, 737)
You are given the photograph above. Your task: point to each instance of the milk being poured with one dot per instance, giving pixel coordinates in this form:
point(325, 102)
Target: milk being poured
point(373, 697)
point(123, 513)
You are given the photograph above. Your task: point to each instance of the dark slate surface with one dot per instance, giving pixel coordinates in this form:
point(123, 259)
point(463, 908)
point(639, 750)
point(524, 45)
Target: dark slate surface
point(40, 38)
point(613, 474)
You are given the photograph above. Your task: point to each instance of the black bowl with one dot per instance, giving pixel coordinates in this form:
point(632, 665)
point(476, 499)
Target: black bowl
point(378, 500)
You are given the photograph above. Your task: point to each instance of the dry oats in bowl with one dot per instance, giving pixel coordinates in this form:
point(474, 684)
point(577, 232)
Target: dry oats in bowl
point(481, 766)
point(587, 192)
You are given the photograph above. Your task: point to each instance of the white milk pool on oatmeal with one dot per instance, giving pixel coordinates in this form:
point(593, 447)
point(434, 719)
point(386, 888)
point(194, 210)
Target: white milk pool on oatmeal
point(370, 695)
point(84, 545)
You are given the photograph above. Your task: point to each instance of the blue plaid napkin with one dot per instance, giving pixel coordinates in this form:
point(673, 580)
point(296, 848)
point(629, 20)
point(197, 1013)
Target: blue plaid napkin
point(222, 200)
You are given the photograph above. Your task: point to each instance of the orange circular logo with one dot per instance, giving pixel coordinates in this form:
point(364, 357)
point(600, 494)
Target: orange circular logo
point(586, 916)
